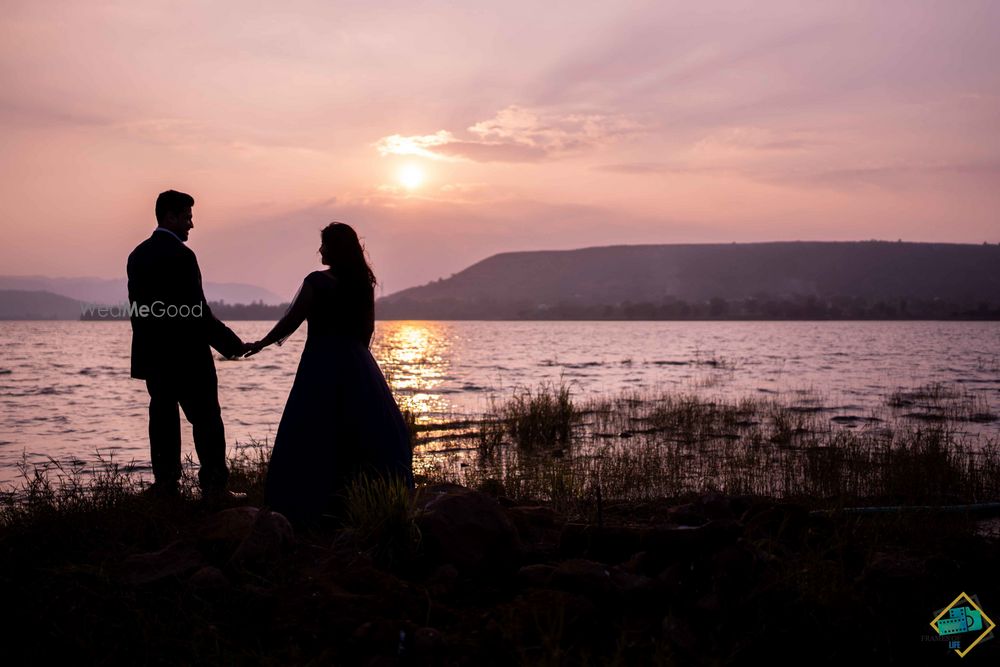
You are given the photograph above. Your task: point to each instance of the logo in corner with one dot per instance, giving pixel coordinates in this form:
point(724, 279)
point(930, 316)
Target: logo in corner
point(964, 622)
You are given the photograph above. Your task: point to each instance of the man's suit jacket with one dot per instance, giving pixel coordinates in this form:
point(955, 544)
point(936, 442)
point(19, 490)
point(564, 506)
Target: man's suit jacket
point(163, 272)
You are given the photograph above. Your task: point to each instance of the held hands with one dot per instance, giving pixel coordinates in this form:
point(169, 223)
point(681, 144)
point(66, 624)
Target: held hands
point(238, 352)
point(251, 349)
point(247, 350)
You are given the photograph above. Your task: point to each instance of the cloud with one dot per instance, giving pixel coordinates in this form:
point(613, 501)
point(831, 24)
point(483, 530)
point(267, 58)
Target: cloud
point(725, 149)
point(893, 176)
point(41, 114)
point(472, 191)
point(903, 176)
point(516, 134)
point(646, 168)
point(196, 135)
point(172, 131)
point(751, 139)
point(397, 144)
point(494, 151)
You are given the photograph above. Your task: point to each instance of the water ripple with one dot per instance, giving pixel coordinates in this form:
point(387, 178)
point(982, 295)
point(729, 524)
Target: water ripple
point(451, 368)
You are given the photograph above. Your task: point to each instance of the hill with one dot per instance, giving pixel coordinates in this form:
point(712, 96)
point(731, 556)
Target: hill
point(36, 305)
point(760, 280)
point(42, 305)
point(115, 291)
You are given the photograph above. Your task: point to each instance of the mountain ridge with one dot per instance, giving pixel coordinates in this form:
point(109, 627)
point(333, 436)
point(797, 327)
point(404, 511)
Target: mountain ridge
point(115, 290)
point(525, 284)
point(37, 305)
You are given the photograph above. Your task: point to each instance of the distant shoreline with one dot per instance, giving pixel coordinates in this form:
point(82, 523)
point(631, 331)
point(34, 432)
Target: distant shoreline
point(990, 318)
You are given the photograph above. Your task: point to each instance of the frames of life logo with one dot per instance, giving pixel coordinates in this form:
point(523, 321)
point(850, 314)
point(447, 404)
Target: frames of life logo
point(964, 623)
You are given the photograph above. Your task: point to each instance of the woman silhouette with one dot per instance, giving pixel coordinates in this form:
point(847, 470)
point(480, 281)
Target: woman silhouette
point(340, 418)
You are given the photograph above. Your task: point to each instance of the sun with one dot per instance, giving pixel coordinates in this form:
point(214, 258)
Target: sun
point(410, 176)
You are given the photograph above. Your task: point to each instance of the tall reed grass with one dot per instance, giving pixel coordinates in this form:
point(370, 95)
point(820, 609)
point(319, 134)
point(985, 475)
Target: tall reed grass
point(638, 446)
point(542, 445)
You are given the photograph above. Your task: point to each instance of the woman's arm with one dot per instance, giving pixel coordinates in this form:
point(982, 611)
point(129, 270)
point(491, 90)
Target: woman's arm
point(291, 321)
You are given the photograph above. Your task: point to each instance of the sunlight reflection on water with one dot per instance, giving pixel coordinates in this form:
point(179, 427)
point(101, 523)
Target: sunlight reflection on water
point(414, 358)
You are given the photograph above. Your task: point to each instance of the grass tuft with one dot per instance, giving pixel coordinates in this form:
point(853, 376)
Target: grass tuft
point(379, 512)
point(541, 418)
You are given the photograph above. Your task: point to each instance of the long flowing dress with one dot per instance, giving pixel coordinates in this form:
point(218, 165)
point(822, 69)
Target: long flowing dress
point(340, 418)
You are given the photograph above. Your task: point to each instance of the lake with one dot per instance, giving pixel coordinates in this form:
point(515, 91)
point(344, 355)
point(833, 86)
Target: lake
point(65, 390)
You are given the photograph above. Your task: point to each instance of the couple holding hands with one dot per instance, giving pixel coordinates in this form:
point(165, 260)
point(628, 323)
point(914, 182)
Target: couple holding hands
point(340, 418)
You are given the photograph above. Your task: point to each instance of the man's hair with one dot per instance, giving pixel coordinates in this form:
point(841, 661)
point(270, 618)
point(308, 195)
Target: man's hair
point(172, 202)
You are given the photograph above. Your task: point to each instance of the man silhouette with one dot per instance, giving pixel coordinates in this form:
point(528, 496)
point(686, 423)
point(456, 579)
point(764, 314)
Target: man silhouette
point(172, 330)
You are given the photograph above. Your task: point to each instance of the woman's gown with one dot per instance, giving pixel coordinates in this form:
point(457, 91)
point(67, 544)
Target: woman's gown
point(341, 417)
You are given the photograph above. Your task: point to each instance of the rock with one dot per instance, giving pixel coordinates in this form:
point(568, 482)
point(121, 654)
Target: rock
point(383, 637)
point(733, 567)
point(638, 563)
point(672, 580)
point(427, 640)
point(584, 577)
point(541, 615)
point(611, 544)
point(443, 580)
point(466, 528)
point(175, 559)
point(432, 492)
point(231, 525)
point(634, 588)
point(535, 523)
point(491, 487)
point(220, 534)
point(536, 575)
point(383, 661)
point(678, 542)
point(784, 522)
point(714, 506)
point(270, 536)
point(709, 602)
point(361, 576)
point(940, 567)
point(740, 504)
point(680, 632)
point(538, 515)
point(686, 515)
point(381, 631)
point(894, 571)
point(209, 578)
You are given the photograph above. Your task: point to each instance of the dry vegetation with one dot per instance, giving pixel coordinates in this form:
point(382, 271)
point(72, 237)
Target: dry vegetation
point(540, 445)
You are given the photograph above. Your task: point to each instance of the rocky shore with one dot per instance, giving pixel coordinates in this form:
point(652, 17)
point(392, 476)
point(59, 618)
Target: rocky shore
point(702, 580)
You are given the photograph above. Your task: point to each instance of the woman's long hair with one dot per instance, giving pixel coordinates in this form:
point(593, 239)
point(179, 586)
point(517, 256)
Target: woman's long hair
point(345, 255)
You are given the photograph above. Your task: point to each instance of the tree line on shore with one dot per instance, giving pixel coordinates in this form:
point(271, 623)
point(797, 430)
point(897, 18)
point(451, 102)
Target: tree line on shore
point(763, 307)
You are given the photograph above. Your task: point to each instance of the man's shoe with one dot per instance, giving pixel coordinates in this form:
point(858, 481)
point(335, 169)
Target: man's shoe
point(223, 497)
point(161, 491)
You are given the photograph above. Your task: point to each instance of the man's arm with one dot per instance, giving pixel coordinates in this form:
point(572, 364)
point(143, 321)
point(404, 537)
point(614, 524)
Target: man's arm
point(218, 335)
point(141, 336)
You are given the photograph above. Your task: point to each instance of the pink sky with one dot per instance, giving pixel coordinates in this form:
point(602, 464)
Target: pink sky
point(533, 125)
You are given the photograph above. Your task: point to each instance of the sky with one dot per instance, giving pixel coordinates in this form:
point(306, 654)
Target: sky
point(445, 132)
